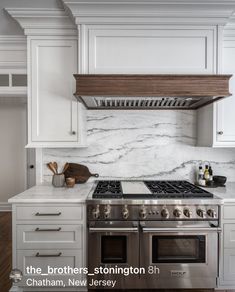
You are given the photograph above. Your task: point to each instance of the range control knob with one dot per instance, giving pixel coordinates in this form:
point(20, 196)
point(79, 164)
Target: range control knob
point(187, 213)
point(165, 213)
point(125, 212)
point(201, 213)
point(211, 213)
point(96, 212)
point(143, 213)
point(107, 211)
point(177, 212)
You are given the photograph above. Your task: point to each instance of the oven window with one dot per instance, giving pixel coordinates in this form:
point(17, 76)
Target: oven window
point(113, 249)
point(178, 249)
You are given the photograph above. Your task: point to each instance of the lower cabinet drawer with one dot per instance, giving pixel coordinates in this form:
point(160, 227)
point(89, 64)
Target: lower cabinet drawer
point(229, 265)
point(49, 236)
point(48, 212)
point(229, 235)
point(53, 264)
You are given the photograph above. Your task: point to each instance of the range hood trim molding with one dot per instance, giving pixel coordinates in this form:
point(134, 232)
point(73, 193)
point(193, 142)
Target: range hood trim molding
point(159, 91)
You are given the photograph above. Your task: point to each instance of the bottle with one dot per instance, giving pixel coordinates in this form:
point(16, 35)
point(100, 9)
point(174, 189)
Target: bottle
point(206, 174)
point(200, 178)
point(210, 174)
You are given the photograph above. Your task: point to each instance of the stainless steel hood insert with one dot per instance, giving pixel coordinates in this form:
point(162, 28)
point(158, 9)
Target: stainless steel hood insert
point(150, 91)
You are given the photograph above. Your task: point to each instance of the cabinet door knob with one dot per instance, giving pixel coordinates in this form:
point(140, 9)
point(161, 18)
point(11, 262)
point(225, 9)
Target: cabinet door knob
point(220, 132)
point(73, 133)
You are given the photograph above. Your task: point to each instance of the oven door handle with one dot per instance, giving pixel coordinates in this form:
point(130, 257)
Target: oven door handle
point(176, 230)
point(115, 229)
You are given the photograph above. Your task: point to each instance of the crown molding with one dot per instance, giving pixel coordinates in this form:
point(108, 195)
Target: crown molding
point(213, 12)
point(229, 30)
point(36, 21)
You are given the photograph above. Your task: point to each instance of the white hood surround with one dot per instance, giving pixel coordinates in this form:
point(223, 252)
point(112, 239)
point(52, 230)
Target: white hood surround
point(156, 37)
point(133, 20)
point(153, 144)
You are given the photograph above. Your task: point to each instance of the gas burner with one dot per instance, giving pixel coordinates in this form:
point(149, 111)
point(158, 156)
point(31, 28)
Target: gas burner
point(160, 187)
point(176, 189)
point(108, 189)
point(114, 189)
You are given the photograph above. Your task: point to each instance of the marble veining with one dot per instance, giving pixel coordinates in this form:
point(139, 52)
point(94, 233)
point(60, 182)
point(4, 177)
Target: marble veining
point(143, 144)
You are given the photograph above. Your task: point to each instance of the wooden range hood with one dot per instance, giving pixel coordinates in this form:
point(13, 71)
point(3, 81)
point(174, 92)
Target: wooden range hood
point(116, 91)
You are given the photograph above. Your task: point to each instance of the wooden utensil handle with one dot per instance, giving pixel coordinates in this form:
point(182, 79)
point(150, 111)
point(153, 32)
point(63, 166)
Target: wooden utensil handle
point(66, 166)
point(51, 167)
point(95, 174)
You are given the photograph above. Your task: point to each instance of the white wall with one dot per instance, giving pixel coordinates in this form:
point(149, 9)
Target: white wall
point(12, 151)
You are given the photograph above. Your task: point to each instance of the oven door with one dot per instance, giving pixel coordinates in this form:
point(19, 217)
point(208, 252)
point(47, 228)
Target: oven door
point(113, 245)
point(184, 255)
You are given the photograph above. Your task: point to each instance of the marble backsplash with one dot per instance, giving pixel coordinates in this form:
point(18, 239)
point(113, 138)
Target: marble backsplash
point(143, 145)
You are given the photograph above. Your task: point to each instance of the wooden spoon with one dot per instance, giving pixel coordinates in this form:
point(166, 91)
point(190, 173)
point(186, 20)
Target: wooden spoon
point(55, 166)
point(66, 166)
point(50, 165)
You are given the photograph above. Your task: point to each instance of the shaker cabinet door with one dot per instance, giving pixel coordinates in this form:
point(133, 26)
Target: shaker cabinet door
point(229, 265)
point(225, 125)
point(49, 261)
point(53, 110)
point(216, 122)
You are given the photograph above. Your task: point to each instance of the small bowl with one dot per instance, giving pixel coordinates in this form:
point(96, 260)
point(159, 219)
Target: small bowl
point(70, 182)
point(219, 180)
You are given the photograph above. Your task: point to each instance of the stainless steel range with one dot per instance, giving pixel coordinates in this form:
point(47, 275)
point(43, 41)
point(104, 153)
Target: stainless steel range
point(166, 230)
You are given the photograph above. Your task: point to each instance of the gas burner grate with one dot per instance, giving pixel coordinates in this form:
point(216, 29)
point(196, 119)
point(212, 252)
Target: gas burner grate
point(176, 189)
point(108, 189)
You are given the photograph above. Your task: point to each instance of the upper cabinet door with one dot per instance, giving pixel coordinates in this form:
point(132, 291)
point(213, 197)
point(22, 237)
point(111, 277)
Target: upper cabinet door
point(216, 122)
point(53, 110)
point(225, 125)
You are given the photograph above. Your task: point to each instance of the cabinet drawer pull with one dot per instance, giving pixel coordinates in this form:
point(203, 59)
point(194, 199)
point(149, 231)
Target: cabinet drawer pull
point(38, 255)
point(48, 229)
point(48, 214)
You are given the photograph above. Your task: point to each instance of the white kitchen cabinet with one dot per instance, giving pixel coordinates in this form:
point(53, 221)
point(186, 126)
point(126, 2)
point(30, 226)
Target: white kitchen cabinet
point(55, 118)
point(225, 118)
point(229, 235)
point(49, 235)
point(227, 248)
point(65, 258)
point(216, 123)
point(229, 266)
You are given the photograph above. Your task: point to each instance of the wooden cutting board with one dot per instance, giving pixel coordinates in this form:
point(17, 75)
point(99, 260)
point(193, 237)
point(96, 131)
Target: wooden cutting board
point(80, 172)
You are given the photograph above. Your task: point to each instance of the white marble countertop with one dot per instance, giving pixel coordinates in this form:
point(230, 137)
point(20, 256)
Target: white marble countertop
point(226, 193)
point(78, 194)
point(50, 194)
